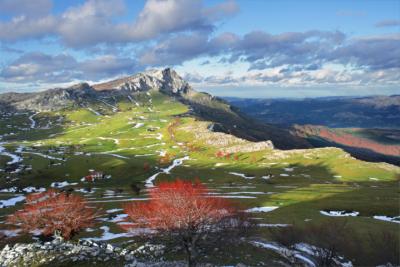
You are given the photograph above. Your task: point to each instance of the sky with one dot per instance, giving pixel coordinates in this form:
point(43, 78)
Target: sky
point(242, 48)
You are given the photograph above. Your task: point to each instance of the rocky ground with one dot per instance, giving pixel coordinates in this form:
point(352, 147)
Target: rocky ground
point(61, 251)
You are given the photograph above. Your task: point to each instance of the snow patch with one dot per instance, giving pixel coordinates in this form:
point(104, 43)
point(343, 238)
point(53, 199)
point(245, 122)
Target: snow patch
point(262, 209)
point(339, 213)
point(61, 184)
point(242, 175)
point(11, 202)
point(175, 163)
point(387, 218)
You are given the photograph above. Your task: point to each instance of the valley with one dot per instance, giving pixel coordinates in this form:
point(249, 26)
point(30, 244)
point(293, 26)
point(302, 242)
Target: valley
point(365, 127)
point(112, 143)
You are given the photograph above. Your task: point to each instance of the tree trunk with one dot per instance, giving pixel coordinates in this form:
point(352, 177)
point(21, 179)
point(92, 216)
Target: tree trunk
point(191, 251)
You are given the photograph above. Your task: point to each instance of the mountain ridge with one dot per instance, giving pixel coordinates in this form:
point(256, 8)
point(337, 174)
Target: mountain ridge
point(204, 106)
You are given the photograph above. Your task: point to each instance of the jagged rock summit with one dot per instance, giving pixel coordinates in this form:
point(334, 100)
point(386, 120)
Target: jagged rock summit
point(167, 81)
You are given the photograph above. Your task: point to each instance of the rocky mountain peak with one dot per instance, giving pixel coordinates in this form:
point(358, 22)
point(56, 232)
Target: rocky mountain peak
point(167, 81)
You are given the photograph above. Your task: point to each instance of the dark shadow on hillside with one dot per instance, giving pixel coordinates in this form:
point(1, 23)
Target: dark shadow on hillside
point(364, 237)
point(359, 153)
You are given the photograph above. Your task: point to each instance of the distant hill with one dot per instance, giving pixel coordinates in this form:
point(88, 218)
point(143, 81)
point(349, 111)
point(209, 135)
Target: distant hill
point(366, 127)
point(335, 112)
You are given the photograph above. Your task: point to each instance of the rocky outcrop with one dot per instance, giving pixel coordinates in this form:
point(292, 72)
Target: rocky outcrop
point(226, 143)
point(59, 251)
point(167, 81)
point(49, 100)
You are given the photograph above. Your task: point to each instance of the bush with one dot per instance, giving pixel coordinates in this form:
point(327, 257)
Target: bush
point(54, 212)
point(184, 212)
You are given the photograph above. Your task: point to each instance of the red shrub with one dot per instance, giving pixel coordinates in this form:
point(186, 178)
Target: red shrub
point(181, 207)
point(220, 154)
point(51, 211)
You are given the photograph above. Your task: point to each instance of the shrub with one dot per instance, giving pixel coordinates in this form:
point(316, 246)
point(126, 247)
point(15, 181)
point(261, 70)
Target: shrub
point(183, 211)
point(54, 212)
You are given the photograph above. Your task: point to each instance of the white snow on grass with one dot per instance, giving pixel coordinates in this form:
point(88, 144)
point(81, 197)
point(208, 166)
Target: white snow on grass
point(159, 136)
point(262, 209)
point(339, 213)
point(113, 210)
point(31, 189)
point(107, 235)
point(11, 202)
point(10, 233)
point(175, 163)
point(273, 225)
point(242, 175)
point(118, 218)
point(144, 155)
point(43, 155)
point(14, 158)
point(94, 111)
point(387, 218)
point(138, 125)
point(302, 252)
point(284, 174)
point(33, 122)
point(61, 184)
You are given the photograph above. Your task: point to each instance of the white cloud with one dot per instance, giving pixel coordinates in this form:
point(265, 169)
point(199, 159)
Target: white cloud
point(93, 22)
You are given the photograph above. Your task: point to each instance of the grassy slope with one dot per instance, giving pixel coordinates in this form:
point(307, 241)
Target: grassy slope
point(324, 178)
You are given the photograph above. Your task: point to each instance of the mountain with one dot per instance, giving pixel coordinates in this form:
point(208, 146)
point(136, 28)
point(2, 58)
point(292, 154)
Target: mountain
point(110, 143)
point(227, 119)
point(336, 112)
point(366, 127)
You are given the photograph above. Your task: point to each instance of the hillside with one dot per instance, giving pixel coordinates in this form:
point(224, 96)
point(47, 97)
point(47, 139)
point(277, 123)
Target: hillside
point(134, 136)
point(365, 127)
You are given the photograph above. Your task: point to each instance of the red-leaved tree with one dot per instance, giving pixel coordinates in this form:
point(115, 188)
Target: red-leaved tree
point(183, 210)
point(53, 212)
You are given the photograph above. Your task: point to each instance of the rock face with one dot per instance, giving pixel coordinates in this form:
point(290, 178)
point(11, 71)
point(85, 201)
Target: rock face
point(49, 100)
point(167, 81)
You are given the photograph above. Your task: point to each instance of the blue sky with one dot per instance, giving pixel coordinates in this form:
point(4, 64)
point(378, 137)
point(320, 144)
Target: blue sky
point(248, 48)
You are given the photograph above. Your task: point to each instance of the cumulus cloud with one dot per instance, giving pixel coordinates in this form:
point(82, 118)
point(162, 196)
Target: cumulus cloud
point(282, 58)
point(323, 76)
point(160, 16)
point(43, 68)
point(170, 33)
point(94, 21)
point(40, 67)
point(375, 52)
